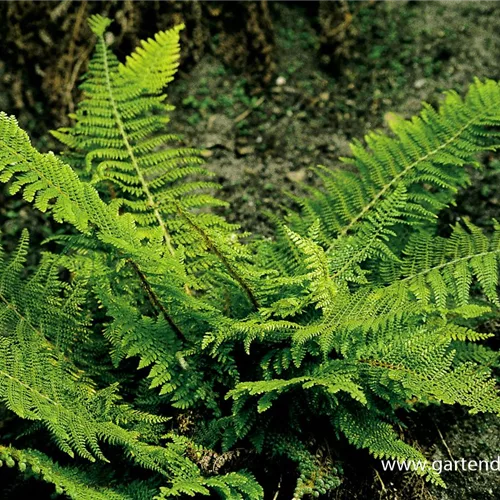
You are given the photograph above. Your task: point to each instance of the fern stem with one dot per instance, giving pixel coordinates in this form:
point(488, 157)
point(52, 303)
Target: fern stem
point(156, 302)
point(449, 263)
point(211, 245)
point(375, 363)
point(130, 151)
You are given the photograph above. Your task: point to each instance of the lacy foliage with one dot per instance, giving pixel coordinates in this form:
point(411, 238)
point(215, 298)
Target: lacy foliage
point(356, 312)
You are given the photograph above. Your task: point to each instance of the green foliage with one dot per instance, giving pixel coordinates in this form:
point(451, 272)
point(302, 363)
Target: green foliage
point(158, 339)
point(71, 481)
point(120, 146)
point(233, 101)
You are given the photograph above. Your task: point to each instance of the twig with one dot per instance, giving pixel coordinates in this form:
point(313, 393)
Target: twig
point(245, 113)
point(278, 490)
point(155, 301)
point(384, 489)
point(210, 244)
point(447, 447)
point(444, 442)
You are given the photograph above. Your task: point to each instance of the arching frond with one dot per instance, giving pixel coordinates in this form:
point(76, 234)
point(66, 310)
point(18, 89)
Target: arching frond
point(427, 157)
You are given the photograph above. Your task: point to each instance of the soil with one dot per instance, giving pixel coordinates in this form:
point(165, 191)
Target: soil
point(261, 144)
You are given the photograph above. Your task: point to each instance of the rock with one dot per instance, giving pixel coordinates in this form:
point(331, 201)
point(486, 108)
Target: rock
point(220, 132)
point(220, 123)
point(420, 83)
point(297, 175)
point(245, 150)
point(280, 81)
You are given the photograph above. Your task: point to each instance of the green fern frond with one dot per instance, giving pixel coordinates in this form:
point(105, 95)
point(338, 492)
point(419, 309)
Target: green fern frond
point(331, 377)
point(154, 64)
point(443, 268)
point(232, 486)
point(364, 430)
point(99, 24)
point(73, 482)
point(430, 150)
point(420, 364)
point(120, 143)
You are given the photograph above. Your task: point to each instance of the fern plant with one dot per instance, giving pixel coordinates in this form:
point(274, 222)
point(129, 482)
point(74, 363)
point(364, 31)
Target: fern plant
point(158, 344)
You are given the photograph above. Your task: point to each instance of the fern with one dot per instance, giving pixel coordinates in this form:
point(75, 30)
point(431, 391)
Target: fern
point(438, 268)
point(428, 151)
point(376, 296)
point(158, 337)
point(72, 482)
point(39, 383)
point(121, 146)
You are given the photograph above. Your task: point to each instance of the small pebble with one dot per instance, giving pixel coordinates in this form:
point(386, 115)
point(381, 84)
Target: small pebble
point(419, 83)
point(281, 80)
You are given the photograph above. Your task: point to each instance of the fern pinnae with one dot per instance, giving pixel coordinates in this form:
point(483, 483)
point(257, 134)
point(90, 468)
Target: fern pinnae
point(150, 199)
point(431, 149)
point(446, 265)
point(74, 482)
